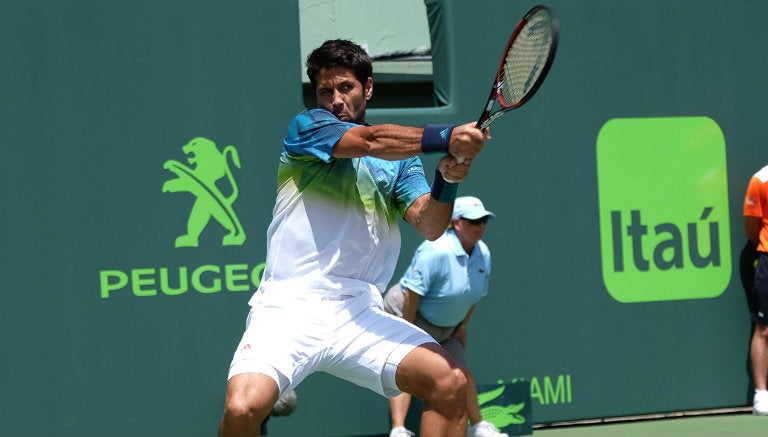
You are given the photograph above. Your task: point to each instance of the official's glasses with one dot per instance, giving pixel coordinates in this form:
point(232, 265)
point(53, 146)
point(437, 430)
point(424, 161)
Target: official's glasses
point(477, 222)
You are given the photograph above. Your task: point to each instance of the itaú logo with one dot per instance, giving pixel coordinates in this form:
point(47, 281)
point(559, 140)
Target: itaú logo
point(663, 199)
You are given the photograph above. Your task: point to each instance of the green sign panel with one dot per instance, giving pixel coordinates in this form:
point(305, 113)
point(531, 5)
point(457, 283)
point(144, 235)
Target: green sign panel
point(664, 228)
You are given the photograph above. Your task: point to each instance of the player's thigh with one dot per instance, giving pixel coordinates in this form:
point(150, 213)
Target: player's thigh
point(759, 301)
point(368, 350)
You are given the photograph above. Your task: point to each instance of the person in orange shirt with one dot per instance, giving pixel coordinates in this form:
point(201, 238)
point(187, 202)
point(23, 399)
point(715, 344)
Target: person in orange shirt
point(756, 230)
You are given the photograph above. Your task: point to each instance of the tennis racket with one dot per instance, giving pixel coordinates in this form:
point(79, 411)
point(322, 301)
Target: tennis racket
point(525, 63)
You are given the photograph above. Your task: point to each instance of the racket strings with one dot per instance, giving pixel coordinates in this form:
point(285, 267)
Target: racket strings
point(526, 58)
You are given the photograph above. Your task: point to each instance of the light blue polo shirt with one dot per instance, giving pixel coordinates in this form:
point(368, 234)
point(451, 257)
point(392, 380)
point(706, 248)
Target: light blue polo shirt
point(448, 280)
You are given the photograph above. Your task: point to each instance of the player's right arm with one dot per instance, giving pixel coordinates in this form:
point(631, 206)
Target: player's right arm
point(317, 132)
point(393, 142)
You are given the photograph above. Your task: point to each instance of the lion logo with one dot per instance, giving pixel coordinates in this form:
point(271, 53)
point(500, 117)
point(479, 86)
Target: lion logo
point(208, 165)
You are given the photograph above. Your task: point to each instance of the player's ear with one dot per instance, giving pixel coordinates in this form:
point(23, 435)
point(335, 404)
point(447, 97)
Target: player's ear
point(368, 88)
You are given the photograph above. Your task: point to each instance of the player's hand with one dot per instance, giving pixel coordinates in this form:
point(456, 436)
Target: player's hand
point(452, 170)
point(467, 141)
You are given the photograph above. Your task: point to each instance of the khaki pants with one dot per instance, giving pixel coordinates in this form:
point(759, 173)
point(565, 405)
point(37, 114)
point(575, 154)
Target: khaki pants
point(393, 304)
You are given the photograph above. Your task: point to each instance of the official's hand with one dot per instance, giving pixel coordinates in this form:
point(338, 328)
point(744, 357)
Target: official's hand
point(461, 334)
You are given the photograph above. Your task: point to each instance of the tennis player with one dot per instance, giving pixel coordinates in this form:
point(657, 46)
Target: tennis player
point(332, 247)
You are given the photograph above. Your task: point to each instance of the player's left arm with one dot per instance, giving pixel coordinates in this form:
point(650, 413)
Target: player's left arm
point(431, 213)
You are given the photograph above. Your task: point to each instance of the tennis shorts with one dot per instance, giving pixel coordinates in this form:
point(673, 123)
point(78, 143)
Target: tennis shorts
point(290, 335)
point(759, 301)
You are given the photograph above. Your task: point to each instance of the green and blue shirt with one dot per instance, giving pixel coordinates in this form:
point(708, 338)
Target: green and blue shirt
point(335, 222)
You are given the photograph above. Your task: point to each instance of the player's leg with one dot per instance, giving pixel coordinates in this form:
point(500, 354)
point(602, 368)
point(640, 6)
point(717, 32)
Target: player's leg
point(477, 426)
point(249, 399)
point(388, 355)
point(429, 373)
point(258, 372)
point(759, 357)
point(759, 345)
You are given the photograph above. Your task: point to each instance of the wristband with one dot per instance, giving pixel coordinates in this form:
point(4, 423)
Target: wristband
point(436, 138)
point(443, 191)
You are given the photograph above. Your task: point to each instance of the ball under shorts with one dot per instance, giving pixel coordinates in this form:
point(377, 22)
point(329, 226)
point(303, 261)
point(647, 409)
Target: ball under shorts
point(290, 335)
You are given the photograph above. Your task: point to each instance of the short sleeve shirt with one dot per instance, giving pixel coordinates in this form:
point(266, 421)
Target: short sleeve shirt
point(334, 225)
point(756, 204)
point(448, 280)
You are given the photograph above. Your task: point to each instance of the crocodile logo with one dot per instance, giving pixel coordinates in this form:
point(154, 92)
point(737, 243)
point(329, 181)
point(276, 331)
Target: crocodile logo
point(207, 165)
point(500, 416)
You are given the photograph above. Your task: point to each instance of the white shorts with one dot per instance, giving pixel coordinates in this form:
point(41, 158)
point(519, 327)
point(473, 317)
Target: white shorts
point(290, 335)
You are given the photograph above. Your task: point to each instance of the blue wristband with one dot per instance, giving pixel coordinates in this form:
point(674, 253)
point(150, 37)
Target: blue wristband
point(442, 191)
point(436, 138)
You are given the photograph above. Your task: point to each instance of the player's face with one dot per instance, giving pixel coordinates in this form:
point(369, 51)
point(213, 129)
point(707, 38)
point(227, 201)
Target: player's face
point(341, 93)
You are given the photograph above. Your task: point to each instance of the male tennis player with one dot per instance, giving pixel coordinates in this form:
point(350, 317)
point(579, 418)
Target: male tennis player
point(332, 247)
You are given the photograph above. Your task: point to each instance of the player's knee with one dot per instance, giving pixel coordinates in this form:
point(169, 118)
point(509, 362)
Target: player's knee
point(449, 397)
point(452, 388)
point(240, 409)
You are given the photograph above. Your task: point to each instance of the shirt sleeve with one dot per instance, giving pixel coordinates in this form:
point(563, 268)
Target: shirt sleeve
point(753, 200)
point(424, 270)
point(487, 258)
point(314, 132)
point(411, 183)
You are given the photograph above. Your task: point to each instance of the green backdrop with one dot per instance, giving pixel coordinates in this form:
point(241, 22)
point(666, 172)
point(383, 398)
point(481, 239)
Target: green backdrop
point(109, 329)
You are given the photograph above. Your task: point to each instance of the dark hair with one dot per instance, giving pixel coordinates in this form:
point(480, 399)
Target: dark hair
point(339, 53)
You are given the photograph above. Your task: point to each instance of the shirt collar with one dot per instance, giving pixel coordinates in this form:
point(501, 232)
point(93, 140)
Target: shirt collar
point(458, 249)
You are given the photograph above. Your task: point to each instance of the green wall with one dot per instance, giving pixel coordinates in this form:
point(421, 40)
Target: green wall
point(95, 98)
